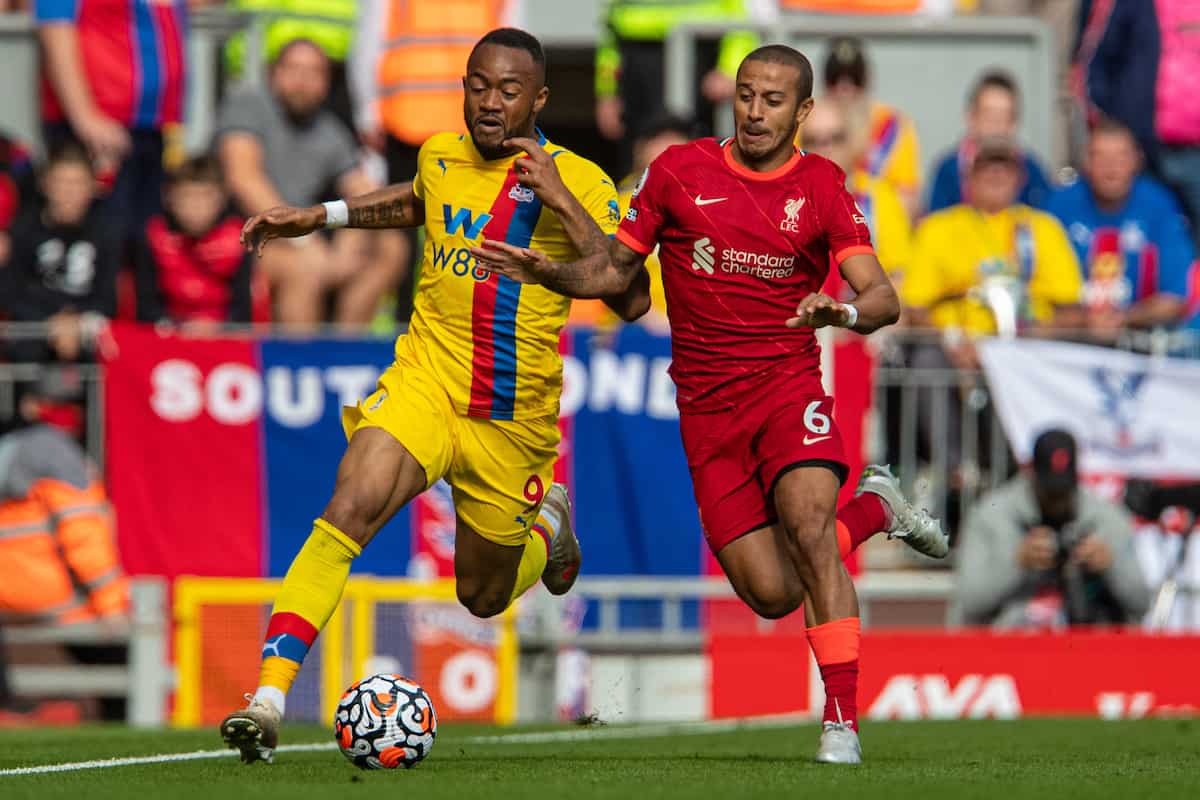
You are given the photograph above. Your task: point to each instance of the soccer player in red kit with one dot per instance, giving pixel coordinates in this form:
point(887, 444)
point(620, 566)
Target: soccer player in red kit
point(746, 229)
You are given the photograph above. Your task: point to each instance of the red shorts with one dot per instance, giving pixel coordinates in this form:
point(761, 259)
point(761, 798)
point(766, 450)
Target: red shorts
point(736, 457)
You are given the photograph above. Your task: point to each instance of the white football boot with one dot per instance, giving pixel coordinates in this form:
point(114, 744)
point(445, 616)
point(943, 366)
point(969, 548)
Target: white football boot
point(565, 557)
point(839, 744)
point(254, 730)
point(914, 526)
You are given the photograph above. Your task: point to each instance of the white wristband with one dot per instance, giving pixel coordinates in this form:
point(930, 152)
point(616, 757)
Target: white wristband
point(851, 315)
point(337, 214)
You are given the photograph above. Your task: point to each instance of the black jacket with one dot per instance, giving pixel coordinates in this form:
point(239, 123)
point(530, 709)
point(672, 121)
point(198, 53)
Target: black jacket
point(54, 268)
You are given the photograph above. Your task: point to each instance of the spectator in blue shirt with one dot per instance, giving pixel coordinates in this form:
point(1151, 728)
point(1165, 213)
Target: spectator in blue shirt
point(993, 111)
point(1130, 234)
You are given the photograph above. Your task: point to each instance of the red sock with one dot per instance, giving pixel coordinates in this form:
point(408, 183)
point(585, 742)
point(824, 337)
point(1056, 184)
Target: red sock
point(835, 645)
point(862, 518)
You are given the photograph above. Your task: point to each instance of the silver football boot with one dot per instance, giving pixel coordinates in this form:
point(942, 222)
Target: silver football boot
point(914, 526)
point(839, 744)
point(565, 557)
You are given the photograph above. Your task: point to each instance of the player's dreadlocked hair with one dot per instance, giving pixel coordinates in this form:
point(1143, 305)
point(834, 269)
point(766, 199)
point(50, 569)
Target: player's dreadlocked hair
point(517, 39)
point(791, 57)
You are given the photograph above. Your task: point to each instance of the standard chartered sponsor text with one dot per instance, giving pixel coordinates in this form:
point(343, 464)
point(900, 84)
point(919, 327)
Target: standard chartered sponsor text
point(762, 265)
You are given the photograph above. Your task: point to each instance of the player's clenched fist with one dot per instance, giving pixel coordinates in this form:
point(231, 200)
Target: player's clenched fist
point(281, 221)
point(818, 310)
point(537, 170)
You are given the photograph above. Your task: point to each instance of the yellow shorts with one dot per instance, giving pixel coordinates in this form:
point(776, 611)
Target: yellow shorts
point(499, 470)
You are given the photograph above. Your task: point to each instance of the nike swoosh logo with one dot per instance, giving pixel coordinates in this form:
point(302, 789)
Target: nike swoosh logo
point(700, 201)
point(814, 439)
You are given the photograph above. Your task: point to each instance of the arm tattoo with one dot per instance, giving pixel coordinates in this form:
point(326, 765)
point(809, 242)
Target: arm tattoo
point(393, 207)
point(362, 217)
point(610, 270)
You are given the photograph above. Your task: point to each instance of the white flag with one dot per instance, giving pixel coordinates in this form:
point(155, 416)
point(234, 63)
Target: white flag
point(1131, 414)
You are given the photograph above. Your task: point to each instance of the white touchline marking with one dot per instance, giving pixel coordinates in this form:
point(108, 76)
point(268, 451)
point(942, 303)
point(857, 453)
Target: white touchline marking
point(537, 737)
point(165, 758)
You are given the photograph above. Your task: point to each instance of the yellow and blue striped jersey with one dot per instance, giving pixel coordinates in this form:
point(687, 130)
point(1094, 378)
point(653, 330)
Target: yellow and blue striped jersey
point(493, 342)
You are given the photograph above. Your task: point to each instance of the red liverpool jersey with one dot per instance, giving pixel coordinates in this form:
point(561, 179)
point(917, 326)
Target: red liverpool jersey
point(739, 249)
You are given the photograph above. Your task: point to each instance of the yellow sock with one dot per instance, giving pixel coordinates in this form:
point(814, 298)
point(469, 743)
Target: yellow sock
point(310, 593)
point(533, 562)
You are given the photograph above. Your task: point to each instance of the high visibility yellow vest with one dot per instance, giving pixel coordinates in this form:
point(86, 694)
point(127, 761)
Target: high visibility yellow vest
point(327, 23)
point(423, 61)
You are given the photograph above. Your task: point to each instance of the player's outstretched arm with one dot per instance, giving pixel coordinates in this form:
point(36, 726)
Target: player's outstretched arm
point(391, 207)
point(610, 273)
point(395, 206)
point(875, 306)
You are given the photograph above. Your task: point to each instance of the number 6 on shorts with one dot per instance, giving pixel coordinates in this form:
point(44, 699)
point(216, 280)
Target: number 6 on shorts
point(816, 421)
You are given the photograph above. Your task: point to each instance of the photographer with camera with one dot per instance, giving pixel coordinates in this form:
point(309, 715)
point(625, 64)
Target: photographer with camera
point(1042, 551)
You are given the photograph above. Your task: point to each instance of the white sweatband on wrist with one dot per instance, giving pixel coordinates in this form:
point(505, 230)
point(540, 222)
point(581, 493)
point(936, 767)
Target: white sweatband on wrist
point(337, 214)
point(851, 315)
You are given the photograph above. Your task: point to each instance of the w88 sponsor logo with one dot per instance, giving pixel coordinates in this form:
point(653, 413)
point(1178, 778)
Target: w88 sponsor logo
point(459, 261)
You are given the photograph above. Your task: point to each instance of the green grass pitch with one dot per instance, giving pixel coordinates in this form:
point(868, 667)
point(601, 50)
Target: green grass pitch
point(978, 759)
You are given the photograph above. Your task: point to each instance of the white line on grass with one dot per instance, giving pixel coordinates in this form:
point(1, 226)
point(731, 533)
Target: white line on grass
point(195, 755)
point(537, 737)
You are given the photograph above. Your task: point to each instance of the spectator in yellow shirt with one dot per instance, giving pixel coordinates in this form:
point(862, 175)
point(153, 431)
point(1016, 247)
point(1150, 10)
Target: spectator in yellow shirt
point(659, 134)
point(887, 138)
point(967, 259)
point(978, 268)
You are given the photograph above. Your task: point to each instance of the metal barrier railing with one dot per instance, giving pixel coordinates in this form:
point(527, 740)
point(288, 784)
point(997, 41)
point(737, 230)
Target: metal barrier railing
point(936, 426)
point(145, 680)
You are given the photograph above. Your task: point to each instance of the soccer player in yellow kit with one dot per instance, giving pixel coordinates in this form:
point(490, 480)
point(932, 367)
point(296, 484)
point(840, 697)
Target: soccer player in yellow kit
point(473, 394)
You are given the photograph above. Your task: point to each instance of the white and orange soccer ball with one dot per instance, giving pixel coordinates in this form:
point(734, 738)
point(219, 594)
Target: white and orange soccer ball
point(385, 722)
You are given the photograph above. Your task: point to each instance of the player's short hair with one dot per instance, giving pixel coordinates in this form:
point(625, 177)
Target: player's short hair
point(995, 79)
point(790, 57)
point(516, 39)
point(197, 169)
point(68, 151)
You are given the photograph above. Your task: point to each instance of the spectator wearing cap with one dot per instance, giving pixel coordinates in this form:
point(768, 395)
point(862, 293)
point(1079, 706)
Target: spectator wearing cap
point(889, 139)
point(988, 266)
point(1130, 235)
point(993, 111)
point(64, 260)
point(963, 253)
point(1043, 551)
point(280, 146)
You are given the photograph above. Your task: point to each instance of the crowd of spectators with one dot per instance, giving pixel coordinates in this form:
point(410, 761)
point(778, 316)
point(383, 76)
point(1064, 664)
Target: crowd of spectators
point(352, 87)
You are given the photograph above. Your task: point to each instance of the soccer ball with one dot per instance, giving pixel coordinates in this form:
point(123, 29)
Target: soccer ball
point(384, 722)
